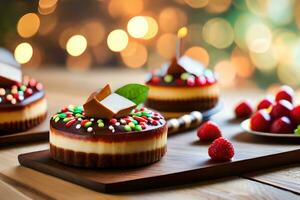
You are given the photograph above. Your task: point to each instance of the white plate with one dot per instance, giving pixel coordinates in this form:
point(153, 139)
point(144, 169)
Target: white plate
point(246, 126)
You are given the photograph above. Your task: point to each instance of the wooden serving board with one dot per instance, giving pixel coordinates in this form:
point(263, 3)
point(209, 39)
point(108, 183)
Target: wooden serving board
point(186, 161)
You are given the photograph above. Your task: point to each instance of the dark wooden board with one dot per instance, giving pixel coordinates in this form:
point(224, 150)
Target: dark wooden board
point(186, 161)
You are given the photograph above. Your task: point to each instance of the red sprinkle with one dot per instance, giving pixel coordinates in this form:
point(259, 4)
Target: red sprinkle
point(69, 123)
point(140, 119)
point(83, 122)
point(18, 84)
point(143, 126)
point(154, 122)
point(127, 120)
point(28, 91)
point(65, 109)
point(145, 117)
point(16, 95)
point(113, 121)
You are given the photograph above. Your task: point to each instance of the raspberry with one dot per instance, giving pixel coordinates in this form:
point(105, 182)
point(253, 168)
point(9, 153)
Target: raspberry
point(243, 110)
point(209, 131)
point(221, 150)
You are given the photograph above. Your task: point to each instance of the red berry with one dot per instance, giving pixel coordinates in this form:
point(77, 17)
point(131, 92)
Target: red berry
point(200, 80)
point(155, 80)
point(261, 121)
point(281, 108)
point(286, 93)
point(39, 86)
point(264, 103)
point(113, 121)
point(209, 131)
point(282, 125)
point(221, 150)
point(190, 82)
point(28, 91)
point(295, 115)
point(243, 110)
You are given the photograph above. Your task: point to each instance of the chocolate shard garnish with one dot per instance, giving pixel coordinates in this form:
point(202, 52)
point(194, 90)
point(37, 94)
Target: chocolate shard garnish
point(185, 64)
point(105, 104)
point(10, 69)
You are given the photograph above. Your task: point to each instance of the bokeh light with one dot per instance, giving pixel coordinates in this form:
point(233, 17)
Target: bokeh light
point(257, 7)
point(226, 72)
point(23, 52)
point(258, 38)
point(94, 31)
point(47, 6)
point(137, 26)
point(280, 11)
point(166, 45)
point(134, 55)
point(171, 19)
point(117, 40)
point(199, 54)
point(76, 45)
point(197, 3)
point(48, 23)
point(117, 8)
point(152, 28)
point(218, 6)
point(265, 62)
point(242, 63)
point(28, 25)
point(218, 32)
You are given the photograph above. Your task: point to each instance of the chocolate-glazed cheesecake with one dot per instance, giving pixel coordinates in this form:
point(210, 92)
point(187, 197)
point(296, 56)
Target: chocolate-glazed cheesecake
point(108, 131)
point(181, 87)
point(22, 99)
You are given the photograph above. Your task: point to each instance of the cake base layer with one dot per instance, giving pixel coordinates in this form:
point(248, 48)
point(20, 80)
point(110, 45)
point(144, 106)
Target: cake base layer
point(18, 126)
point(187, 105)
point(92, 160)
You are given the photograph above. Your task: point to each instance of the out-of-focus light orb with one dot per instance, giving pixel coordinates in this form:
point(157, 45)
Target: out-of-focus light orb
point(64, 37)
point(265, 62)
point(258, 7)
point(117, 40)
point(284, 43)
point(226, 72)
point(28, 25)
point(197, 3)
point(117, 8)
point(137, 26)
point(35, 60)
point(297, 13)
point(259, 38)
point(218, 6)
point(241, 27)
point(47, 6)
point(182, 32)
point(242, 63)
point(166, 45)
point(171, 19)
point(79, 63)
point(94, 31)
point(23, 52)
point(76, 45)
point(198, 53)
point(218, 33)
point(152, 28)
point(280, 11)
point(134, 55)
point(289, 74)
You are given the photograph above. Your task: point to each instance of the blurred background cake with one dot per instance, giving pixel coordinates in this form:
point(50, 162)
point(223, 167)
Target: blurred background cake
point(181, 87)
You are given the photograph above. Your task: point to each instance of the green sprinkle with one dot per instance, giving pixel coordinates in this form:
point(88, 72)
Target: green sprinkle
point(62, 115)
point(138, 128)
point(138, 114)
point(71, 108)
point(56, 119)
point(56, 115)
point(88, 124)
point(168, 78)
point(131, 124)
point(184, 76)
point(78, 109)
point(127, 128)
point(145, 113)
point(23, 88)
point(100, 124)
point(99, 121)
point(78, 115)
point(135, 122)
point(67, 119)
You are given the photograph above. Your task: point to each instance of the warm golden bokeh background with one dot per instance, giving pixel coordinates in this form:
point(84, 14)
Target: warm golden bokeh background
point(239, 39)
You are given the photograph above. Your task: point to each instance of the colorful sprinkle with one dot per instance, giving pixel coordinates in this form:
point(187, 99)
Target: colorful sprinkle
point(89, 129)
point(88, 124)
point(99, 121)
point(2, 91)
point(184, 76)
point(69, 123)
point(168, 78)
point(56, 119)
point(78, 126)
point(101, 124)
point(138, 128)
point(127, 128)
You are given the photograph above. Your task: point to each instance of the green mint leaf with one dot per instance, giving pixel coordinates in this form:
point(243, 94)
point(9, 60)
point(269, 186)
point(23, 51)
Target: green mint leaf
point(134, 92)
point(297, 130)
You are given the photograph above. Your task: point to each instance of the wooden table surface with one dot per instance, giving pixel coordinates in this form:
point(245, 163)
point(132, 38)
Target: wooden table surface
point(18, 182)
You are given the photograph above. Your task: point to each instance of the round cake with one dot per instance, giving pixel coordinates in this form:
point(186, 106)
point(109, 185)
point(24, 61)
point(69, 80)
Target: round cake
point(22, 105)
point(81, 137)
point(182, 87)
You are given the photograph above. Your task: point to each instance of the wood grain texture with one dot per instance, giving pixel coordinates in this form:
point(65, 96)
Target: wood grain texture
point(186, 161)
point(287, 178)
